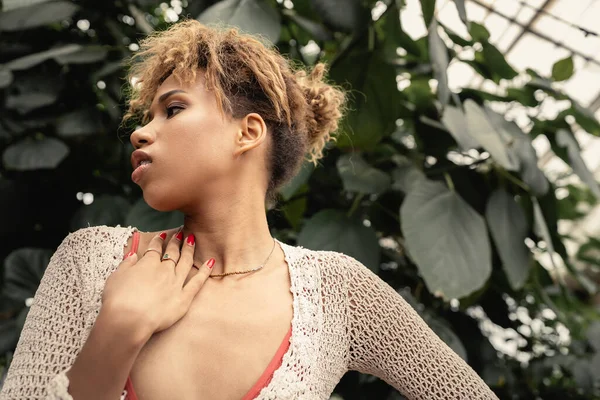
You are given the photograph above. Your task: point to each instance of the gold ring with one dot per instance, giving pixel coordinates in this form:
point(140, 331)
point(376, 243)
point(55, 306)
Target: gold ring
point(166, 257)
point(159, 252)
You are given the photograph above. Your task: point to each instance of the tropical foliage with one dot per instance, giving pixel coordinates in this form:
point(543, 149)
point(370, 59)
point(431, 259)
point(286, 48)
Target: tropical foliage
point(432, 188)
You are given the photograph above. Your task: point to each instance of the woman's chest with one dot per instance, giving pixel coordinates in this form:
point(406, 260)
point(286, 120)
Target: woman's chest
point(218, 350)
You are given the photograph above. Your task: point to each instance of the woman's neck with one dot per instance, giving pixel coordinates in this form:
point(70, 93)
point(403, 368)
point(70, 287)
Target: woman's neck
point(235, 233)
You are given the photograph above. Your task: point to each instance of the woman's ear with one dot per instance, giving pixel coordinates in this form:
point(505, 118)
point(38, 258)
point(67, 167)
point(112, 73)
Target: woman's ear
point(252, 132)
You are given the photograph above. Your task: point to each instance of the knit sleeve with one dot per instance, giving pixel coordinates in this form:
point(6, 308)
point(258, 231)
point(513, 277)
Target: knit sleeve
point(389, 339)
point(53, 329)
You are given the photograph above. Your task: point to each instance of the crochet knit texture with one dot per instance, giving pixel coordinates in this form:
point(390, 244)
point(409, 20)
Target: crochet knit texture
point(344, 318)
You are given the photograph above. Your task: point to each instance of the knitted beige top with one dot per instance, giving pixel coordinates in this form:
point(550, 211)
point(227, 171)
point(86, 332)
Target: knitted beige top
point(344, 318)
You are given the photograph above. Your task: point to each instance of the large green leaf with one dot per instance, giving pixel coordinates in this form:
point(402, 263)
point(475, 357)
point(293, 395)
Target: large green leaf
point(508, 226)
point(496, 63)
point(317, 30)
point(37, 58)
point(251, 16)
point(376, 104)
point(79, 123)
point(344, 15)
point(358, 176)
point(521, 147)
point(456, 122)
point(85, 55)
point(447, 239)
point(299, 180)
point(32, 154)
point(30, 92)
point(23, 270)
point(563, 69)
point(482, 130)
point(478, 32)
point(36, 15)
point(333, 230)
point(542, 229)
point(567, 141)
point(438, 54)
point(145, 218)
point(105, 210)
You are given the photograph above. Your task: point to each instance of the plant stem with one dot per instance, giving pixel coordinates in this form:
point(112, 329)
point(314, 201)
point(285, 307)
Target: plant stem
point(449, 181)
point(357, 199)
point(513, 179)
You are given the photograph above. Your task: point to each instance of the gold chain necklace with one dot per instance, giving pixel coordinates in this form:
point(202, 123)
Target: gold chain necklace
point(247, 271)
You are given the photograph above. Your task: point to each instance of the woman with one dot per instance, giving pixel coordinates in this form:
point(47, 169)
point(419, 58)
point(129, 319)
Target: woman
point(227, 122)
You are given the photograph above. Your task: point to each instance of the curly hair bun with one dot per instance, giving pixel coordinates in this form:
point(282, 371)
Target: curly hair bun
point(326, 104)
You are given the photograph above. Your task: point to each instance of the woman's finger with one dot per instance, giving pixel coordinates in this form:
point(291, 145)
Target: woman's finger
point(173, 250)
point(156, 245)
point(195, 284)
point(186, 258)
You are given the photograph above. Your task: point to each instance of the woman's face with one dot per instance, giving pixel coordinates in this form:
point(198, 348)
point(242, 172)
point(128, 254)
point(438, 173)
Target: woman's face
point(191, 146)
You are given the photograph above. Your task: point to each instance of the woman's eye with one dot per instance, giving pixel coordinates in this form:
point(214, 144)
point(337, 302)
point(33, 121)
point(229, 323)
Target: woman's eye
point(171, 109)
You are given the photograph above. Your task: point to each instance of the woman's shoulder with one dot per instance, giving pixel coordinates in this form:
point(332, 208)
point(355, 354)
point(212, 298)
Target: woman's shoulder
point(88, 240)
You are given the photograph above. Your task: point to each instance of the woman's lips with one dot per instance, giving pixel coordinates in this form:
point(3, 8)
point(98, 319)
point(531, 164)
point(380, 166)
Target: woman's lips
point(139, 171)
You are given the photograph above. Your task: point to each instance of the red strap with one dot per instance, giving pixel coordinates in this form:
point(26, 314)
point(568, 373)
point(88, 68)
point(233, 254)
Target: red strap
point(136, 241)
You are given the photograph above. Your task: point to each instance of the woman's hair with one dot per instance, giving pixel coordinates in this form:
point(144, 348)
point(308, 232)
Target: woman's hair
point(300, 109)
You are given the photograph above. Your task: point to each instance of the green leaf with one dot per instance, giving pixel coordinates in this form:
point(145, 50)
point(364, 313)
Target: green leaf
point(406, 176)
point(593, 335)
point(585, 118)
point(145, 218)
point(542, 229)
point(438, 54)
point(36, 15)
point(462, 12)
point(567, 141)
point(105, 210)
point(31, 92)
point(496, 63)
point(524, 95)
point(508, 227)
point(79, 123)
point(302, 176)
point(85, 55)
point(522, 151)
point(343, 15)
point(456, 122)
point(6, 77)
point(38, 58)
point(250, 16)
point(455, 37)
point(482, 130)
point(447, 239)
point(376, 104)
point(23, 271)
point(317, 30)
point(478, 32)
point(29, 155)
point(333, 230)
point(9, 335)
point(294, 211)
point(358, 176)
point(428, 8)
point(563, 69)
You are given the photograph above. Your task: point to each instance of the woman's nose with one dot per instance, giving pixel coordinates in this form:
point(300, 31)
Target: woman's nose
point(142, 136)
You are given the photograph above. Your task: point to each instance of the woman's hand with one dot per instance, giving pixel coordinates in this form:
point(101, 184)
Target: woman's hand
point(150, 293)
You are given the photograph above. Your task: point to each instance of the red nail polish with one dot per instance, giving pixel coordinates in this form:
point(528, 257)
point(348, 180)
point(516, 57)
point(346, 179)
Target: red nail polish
point(129, 255)
point(163, 235)
point(191, 239)
point(179, 236)
point(211, 262)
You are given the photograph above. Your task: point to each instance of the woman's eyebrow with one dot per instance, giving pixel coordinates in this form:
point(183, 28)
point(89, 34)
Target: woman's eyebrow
point(165, 96)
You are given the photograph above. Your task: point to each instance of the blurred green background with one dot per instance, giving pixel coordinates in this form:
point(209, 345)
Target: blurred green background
point(465, 173)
